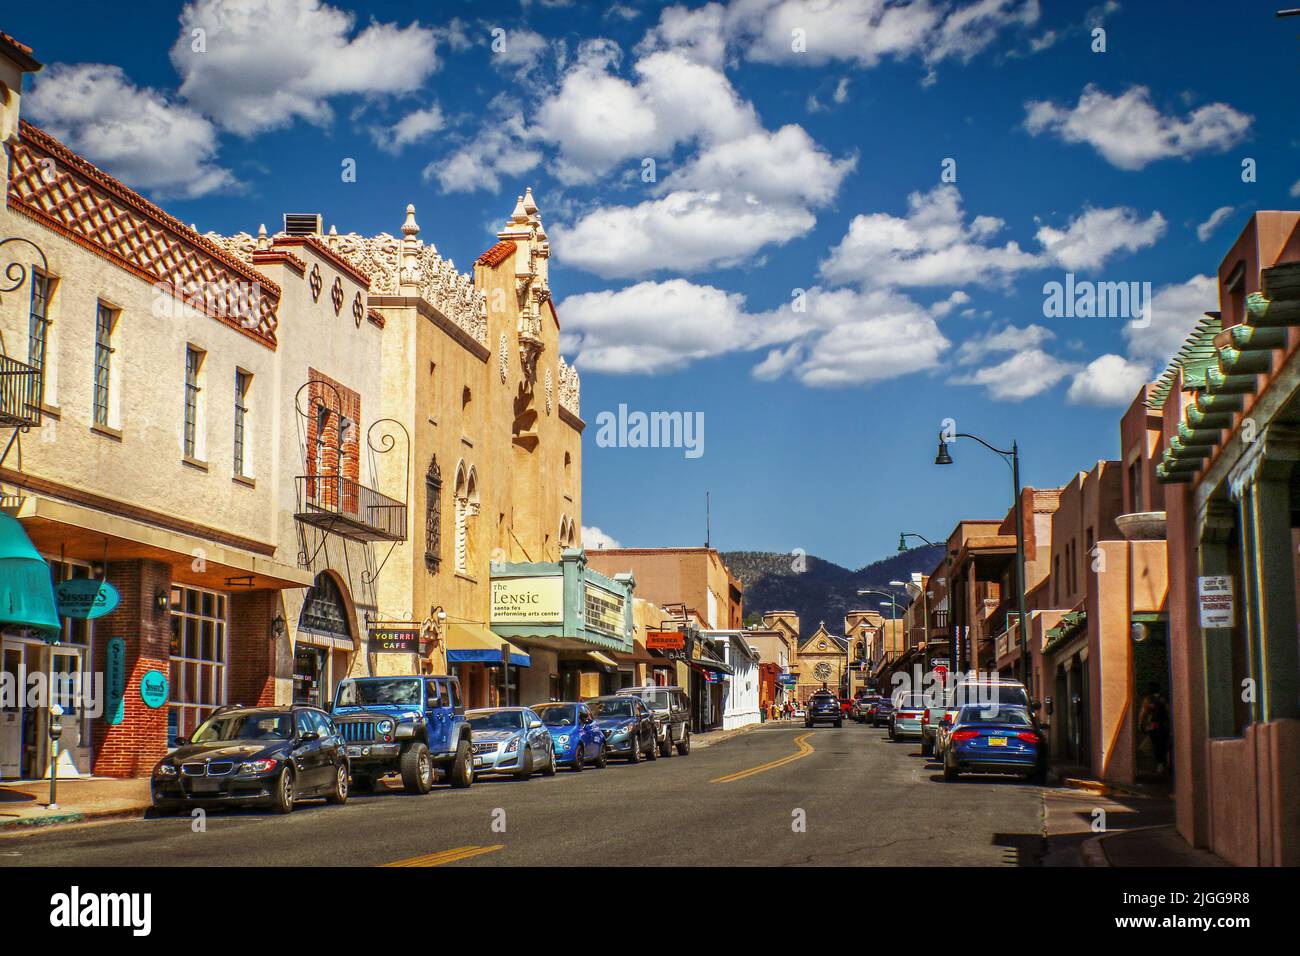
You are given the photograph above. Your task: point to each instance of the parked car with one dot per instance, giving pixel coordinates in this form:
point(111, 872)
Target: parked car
point(672, 712)
point(408, 725)
point(242, 756)
point(575, 738)
point(846, 706)
point(937, 704)
point(512, 741)
point(864, 707)
point(824, 707)
point(883, 712)
point(629, 726)
point(905, 722)
point(1001, 691)
point(1005, 740)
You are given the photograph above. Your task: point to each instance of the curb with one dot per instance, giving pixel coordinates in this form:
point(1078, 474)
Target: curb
point(1094, 854)
point(61, 818)
point(728, 734)
point(1099, 788)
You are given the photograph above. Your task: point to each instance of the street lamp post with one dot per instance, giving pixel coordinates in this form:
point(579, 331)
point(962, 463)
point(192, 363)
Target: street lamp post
point(893, 601)
point(925, 585)
point(1013, 458)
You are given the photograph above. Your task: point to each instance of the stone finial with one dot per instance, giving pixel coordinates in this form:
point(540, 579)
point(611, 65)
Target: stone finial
point(520, 214)
point(410, 228)
point(530, 205)
point(262, 241)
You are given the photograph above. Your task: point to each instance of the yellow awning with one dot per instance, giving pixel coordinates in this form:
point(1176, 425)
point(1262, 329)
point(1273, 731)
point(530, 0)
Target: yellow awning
point(600, 658)
point(473, 643)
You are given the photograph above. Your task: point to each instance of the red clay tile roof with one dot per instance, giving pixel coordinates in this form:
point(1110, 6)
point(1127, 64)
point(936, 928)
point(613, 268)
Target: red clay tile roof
point(20, 52)
point(497, 254)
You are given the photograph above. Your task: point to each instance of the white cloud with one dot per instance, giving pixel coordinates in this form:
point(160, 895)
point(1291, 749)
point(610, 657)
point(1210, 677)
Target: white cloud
point(864, 32)
point(1175, 309)
point(654, 326)
point(932, 245)
point(778, 362)
point(1217, 219)
point(1095, 235)
point(1020, 376)
point(685, 231)
point(266, 63)
point(597, 119)
point(133, 132)
point(1295, 189)
point(786, 165)
point(523, 52)
point(698, 34)
point(415, 127)
point(944, 306)
point(1108, 380)
point(1007, 339)
point(594, 539)
point(502, 148)
point(1130, 132)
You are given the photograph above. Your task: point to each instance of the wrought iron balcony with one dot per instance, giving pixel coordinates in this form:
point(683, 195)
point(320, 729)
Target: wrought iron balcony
point(21, 389)
point(350, 509)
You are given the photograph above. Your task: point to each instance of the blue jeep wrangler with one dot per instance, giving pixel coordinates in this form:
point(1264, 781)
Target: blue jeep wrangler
point(406, 725)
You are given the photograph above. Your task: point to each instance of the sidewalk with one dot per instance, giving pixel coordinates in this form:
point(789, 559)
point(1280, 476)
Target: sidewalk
point(711, 737)
point(1087, 823)
point(24, 804)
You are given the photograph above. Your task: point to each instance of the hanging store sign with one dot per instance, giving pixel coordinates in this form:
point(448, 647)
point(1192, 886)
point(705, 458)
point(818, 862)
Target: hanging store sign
point(153, 689)
point(604, 611)
point(85, 598)
point(1215, 592)
point(665, 640)
point(395, 638)
point(115, 679)
point(528, 600)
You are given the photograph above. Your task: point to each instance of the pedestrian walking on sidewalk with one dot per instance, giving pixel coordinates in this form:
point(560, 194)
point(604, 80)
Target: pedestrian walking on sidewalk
point(1153, 720)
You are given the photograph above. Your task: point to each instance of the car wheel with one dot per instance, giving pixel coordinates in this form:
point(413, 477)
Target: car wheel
point(684, 747)
point(340, 793)
point(653, 752)
point(549, 770)
point(461, 772)
point(1039, 777)
point(807, 723)
point(666, 748)
point(950, 772)
point(602, 758)
point(526, 771)
point(927, 748)
point(417, 769)
point(282, 799)
point(362, 784)
point(839, 723)
point(634, 756)
point(579, 759)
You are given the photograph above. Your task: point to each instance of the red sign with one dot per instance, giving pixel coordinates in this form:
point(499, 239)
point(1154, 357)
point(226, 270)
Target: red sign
point(665, 640)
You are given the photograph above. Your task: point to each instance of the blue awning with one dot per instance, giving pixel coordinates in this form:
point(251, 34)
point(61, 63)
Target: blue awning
point(26, 589)
point(475, 644)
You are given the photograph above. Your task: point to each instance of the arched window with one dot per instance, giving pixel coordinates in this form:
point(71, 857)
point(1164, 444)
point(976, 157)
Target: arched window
point(466, 508)
point(433, 516)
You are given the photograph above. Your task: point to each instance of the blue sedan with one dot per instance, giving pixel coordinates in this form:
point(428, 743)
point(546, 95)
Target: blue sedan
point(995, 738)
point(574, 735)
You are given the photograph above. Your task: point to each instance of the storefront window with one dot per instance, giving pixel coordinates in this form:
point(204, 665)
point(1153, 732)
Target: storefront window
point(198, 661)
point(310, 675)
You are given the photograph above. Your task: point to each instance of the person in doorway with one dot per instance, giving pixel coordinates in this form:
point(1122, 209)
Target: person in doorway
point(1153, 720)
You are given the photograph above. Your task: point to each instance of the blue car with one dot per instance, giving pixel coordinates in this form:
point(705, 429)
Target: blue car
point(574, 735)
point(995, 738)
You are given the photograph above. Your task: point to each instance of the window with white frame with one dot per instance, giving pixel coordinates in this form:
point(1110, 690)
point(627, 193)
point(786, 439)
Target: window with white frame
point(198, 658)
point(193, 403)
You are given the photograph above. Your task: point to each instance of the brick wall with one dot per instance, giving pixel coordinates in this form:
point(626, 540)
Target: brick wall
point(250, 660)
point(132, 747)
point(338, 400)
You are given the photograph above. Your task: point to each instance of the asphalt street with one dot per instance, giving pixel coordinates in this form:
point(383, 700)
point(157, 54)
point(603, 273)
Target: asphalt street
point(779, 795)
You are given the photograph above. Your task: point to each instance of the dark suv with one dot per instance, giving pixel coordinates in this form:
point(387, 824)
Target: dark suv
point(824, 707)
point(406, 725)
point(672, 711)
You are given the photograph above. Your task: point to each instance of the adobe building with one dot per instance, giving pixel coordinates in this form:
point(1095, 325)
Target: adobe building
point(1231, 440)
point(696, 577)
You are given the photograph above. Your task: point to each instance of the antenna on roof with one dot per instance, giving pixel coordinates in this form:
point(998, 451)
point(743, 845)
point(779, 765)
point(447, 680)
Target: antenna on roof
point(708, 532)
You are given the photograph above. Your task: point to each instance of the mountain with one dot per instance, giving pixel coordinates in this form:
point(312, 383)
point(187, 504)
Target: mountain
point(819, 590)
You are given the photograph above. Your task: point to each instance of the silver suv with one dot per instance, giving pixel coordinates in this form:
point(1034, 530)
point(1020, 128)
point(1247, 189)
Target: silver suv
point(672, 712)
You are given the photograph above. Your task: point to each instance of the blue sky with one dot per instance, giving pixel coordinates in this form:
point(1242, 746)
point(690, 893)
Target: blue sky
point(797, 145)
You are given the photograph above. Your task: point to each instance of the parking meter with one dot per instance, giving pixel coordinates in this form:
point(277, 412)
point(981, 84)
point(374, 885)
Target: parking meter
point(56, 725)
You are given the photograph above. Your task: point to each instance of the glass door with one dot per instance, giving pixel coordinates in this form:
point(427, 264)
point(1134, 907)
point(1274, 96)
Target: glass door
point(11, 711)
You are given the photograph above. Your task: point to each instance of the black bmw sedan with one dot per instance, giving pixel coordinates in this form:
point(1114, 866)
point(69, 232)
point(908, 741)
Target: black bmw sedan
point(248, 756)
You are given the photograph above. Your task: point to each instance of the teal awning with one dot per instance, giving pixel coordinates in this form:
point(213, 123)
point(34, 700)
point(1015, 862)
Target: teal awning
point(26, 590)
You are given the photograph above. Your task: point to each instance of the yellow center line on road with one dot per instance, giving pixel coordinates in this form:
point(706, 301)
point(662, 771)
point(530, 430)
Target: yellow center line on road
point(448, 856)
point(805, 749)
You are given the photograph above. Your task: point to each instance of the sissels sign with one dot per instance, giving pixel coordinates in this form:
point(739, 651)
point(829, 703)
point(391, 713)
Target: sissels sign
point(85, 598)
